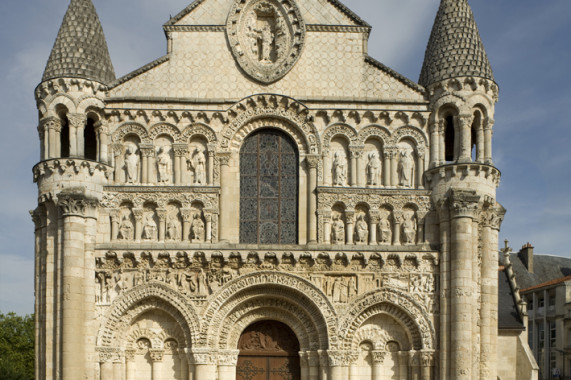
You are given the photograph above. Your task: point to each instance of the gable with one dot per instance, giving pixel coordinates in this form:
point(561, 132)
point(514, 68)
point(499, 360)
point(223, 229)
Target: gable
point(319, 12)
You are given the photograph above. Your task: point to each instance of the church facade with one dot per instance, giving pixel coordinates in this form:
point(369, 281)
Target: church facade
point(266, 201)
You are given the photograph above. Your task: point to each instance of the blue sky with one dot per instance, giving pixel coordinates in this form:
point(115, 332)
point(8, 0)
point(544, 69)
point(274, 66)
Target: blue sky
point(528, 44)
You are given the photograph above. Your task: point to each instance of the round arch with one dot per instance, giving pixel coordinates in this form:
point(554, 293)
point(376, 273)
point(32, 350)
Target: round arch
point(140, 299)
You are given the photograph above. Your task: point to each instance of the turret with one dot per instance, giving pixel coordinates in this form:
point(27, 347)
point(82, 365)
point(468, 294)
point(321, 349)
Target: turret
point(70, 100)
point(463, 181)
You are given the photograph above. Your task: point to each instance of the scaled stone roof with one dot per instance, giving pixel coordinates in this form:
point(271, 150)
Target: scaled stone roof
point(508, 314)
point(80, 50)
point(455, 48)
point(545, 269)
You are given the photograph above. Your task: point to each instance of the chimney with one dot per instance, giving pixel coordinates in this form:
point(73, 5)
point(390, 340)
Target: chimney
point(526, 256)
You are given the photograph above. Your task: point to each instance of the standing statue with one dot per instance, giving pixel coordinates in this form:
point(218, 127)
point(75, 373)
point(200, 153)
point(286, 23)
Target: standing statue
point(373, 169)
point(164, 165)
point(173, 228)
point(266, 38)
point(339, 170)
point(386, 231)
point(150, 227)
point(362, 230)
point(197, 229)
point(132, 164)
point(409, 230)
point(198, 164)
point(405, 168)
point(338, 231)
point(125, 229)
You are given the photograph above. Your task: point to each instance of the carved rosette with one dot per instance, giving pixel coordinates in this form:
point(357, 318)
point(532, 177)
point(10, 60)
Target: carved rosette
point(266, 37)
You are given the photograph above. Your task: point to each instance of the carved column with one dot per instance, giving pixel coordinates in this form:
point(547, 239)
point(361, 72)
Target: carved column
point(182, 357)
point(464, 205)
point(204, 363)
point(444, 226)
point(361, 166)
point(208, 235)
point(131, 366)
point(227, 361)
point(375, 218)
point(313, 364)
point(106, 358)
point(76, 129)
point(180, 153)
point(465, 138)
point(148, 154)
point(118, 370)
point(312, 162)
point(186, 214)
point(387, 169)
point(102, 142)
point(304, 365)
point(210, 164)
point(325, 218)
point(118, 162)
point(398, 218)
point(115, 216)
point(420, 169)
point(352, 358)
point(50, 130)
point(350, 217)
point(403, 365)
point(378, 358)
point(162, 214)
point(488, 133)
point(323, 365)
point(413, 365)
point(338, 366)
point(226, 207)
point(421, 218)
point(138, 214)
point(434, 144)
point(442, 139)
point(394, 152)
point(157, 359)
point(354, 154)
point(74, 210)
point(426, 364)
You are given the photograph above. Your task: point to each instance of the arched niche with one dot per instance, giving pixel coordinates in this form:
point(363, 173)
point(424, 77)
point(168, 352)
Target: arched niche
point(339, 157)
point(407, 167)
point(173, 231)
point(164, 158)
point(198, 164)
point(373, 162)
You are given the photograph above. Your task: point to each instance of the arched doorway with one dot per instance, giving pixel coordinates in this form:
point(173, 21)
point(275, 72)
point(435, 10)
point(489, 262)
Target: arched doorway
point(269, 167)
point(269, 350)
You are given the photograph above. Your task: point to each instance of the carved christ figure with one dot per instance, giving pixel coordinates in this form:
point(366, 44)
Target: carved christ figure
point(266, 42)
point(132, 164)
point(164, 165)
point(373, 169)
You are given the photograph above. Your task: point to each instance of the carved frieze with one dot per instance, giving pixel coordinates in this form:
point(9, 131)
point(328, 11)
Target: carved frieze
point(266, 37)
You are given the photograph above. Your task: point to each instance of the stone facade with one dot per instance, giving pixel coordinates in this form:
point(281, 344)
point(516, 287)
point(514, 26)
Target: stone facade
point(143, 267)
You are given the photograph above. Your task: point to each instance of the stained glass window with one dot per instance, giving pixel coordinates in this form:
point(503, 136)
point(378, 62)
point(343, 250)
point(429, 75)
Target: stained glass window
point(268, 189)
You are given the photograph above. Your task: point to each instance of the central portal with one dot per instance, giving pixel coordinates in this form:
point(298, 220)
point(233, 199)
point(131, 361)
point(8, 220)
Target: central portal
point(269, 350)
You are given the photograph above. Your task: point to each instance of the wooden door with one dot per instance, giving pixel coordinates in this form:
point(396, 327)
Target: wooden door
point(269, 350)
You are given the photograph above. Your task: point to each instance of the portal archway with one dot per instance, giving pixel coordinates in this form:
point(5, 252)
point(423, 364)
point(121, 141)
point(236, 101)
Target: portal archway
point(268, 350)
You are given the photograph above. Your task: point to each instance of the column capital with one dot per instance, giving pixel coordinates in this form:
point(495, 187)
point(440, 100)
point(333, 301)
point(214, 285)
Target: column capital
point(463, 203)
point(465, 120)
point(313, 358)
point(228, 357)
point(51, 122)
point(156, 354)
point(130, 355)
point(75, 204)
point(138, 213)
point(114, 213)
point(204, 356)
point(375, 216)
point(427, 359)
point(224, 158)
point(339, 358)
point(186, 214)
point(147, 150)
point(378, 356)
point(76, 120)
point(180, 150)
point(108, 354)
point(489, 123)
point(312, 160)
point(162, 214)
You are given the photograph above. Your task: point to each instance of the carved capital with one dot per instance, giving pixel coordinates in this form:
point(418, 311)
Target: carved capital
point(180, 150)
point(465, 121)
point(312, 161)
point(108, 354)
point(76, 120)
point(313, 359)
point(378, 356)
point(75, 204)
point(114, 213)
point(375, 216)
point(224, 158)
point(162, 214)
point(147, 150)
point(130, 355)
point(156, 354)
point(489, 123)
point(204, 356)
point(186, 214)
point(464, 203)
point(350, 216)
point(50, 123)
point(339, 358)
point(427, 359)
point(138, 214)
point(228, 357)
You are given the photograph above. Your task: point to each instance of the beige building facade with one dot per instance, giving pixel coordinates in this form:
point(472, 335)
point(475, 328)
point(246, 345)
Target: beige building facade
point(266, 201)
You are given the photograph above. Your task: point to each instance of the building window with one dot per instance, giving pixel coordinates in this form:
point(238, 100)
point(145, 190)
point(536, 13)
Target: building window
point(64, 138)
point(449, 136)
point(268, 189)
point(541, 302)
point(90, 140)
point(530, 304)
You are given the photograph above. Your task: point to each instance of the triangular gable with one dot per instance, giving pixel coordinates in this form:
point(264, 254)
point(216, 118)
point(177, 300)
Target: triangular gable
point(320, 12)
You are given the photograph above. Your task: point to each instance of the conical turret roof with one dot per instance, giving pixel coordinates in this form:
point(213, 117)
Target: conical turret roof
point(80, 50)
point(455, 48)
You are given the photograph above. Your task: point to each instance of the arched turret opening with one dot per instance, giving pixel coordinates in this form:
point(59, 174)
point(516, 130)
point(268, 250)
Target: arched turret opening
point(90, 140)
point(449, 139)
point(64, 136)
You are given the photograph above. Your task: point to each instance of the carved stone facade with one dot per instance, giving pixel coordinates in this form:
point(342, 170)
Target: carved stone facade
point(266, 172)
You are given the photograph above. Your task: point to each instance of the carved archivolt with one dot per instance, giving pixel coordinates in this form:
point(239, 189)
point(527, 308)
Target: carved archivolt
point(259, 110)
point(114, 200)
point(374, 131)
point(398, 305)
point(410, 132)
point(339, 130)
point(351, 198)
point(127, 307)
point(285, 286)
point(200, 130)
point(131, 128)
point(165, 129)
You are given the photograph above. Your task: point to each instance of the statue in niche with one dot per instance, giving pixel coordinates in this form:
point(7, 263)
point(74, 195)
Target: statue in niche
point(164, 165)
point(197, 229)
point(173, 228)
point(373, 169)
point(405, 168)
point(362, 230)
point(386, 231)
point(338, 230)
point(339, 170)
point(132, 160)
point(125, 229)
point(409, 230)
point(150, 227)
point(198, 164)
point(265, 29)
